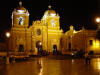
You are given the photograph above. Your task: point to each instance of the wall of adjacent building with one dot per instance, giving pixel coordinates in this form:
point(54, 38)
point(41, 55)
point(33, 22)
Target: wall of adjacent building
point(80, 40)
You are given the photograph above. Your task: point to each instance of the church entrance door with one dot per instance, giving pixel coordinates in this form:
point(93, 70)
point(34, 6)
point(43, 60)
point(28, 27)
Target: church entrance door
point(21, 48)
point(54, 49)
point(39, 47)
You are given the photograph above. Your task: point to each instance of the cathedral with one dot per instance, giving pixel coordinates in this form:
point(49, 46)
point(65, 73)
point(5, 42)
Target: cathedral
point(44, 34)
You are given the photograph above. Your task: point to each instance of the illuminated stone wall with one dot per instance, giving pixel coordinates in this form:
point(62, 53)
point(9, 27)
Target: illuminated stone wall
point(80, 40)
point(48, 34)
point(45, 31)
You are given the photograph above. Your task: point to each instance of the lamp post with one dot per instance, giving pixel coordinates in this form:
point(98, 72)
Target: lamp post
point(98, 29)
point(98, 22)
point(7, 57)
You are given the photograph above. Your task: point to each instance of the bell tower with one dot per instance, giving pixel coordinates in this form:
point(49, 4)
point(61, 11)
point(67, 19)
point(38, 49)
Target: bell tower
point(51, 18)
point(20, 16)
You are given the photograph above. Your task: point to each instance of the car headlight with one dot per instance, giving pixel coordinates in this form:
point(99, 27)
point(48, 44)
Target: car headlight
point(72, 53)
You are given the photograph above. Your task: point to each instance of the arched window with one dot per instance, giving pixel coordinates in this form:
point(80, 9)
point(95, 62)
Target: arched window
point(20, 21)
point(38, 32)
point(53, 23)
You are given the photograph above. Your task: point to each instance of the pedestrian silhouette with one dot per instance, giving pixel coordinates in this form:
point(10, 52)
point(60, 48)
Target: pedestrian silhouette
point(87, 58)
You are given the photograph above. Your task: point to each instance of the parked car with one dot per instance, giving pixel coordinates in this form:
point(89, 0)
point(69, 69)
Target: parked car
point(71, 53)
point(80, 53)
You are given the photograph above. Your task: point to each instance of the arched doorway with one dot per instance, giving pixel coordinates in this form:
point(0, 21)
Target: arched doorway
point(54, 49)
point(39, 47)
point(21, 48)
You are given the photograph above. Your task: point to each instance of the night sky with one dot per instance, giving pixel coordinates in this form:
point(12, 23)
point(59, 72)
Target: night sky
point(72, 12)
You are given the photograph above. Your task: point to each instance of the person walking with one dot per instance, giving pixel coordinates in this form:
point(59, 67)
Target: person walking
point(87, 58)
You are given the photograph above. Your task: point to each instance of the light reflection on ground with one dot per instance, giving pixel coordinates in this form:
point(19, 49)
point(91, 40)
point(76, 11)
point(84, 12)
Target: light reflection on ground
point(48, 66)
point(41, 66)
point(96, 63)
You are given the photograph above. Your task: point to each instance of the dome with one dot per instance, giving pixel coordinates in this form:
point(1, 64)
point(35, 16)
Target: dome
point(20, 8)
point(50, 12)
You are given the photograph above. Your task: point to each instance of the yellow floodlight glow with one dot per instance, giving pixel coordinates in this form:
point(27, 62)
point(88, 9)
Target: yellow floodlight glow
point(52, 15)
point(20, 11)
point(75, 31)
point(96, 44)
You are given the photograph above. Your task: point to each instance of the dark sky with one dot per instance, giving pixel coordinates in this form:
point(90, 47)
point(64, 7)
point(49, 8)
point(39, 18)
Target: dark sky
point(72, 12)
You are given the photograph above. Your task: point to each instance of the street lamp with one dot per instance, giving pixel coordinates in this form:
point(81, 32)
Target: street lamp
point(98, 20)
point(98, 30)
point(7, 34)
point(7, 58)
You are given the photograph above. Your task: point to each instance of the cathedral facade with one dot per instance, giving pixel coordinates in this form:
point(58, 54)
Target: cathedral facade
point(43, 34)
